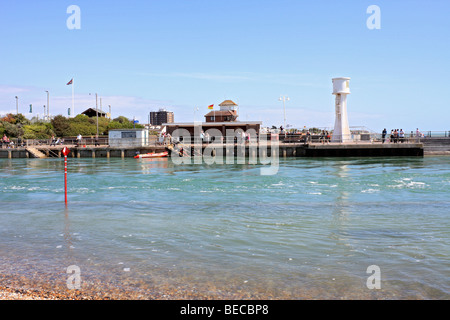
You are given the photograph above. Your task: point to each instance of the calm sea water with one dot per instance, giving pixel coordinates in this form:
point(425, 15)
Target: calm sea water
point(310, 231)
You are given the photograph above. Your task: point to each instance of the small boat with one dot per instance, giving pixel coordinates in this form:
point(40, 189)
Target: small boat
point(152, 155)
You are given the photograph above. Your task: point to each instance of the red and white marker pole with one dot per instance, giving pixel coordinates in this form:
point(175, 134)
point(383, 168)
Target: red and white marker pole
point(65, 152)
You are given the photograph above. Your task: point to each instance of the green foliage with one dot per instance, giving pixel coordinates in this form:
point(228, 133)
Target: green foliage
point(118, 125)
point(18, 126)
point(9, 118)
point(85, 129)
point(61, 125)
point(37, 131)
point(12, 130)
point(122, 119)
point(18, 119)
point(80, 118)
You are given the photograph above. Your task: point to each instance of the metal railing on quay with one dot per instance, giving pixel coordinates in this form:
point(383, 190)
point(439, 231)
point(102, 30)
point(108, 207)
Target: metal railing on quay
point(283, 138)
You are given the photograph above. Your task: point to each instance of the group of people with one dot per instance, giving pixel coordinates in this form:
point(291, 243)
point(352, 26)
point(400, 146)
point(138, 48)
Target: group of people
point(80, 141)
point(396, 136)
point(5, 142)
point(55, 141)
point(205, 136)
point(325, 136)
point(164, 138)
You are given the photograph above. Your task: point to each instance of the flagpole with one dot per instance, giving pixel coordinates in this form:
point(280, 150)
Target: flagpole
point(73, 108)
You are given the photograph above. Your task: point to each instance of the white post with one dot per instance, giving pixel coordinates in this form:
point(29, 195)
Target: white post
point(73, 107)
point(284, 99)
point(48, 106)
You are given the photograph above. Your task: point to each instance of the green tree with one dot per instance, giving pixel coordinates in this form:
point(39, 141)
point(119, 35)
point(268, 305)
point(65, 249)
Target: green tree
point(122, 120)
point(61, 125)
point(37, 131)
point(12, 130)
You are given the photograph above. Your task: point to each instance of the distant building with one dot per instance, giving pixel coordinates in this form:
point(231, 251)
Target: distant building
point(223, 119)
point(91, 112)
point(227, 113)
point(157, 118)
point(128, 138)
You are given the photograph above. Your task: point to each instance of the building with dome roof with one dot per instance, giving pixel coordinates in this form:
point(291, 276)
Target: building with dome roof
point(222, 119)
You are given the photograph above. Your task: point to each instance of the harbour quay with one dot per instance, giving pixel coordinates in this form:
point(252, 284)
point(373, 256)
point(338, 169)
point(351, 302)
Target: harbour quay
point(296, 149)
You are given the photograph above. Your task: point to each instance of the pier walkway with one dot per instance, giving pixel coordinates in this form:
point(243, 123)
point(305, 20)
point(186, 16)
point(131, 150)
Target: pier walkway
point(413, 147)
point(284, 150)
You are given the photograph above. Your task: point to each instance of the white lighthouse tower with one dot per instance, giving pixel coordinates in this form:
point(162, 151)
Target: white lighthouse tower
point(341, 131)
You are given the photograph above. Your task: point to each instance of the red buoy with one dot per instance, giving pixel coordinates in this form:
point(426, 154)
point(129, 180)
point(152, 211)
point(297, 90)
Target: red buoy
point(65, 152)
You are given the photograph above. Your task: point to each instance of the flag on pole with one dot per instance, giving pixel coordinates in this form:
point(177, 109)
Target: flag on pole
point(73, 106)
point(211, 106)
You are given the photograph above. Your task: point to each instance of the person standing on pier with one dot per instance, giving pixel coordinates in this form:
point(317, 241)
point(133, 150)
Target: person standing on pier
point(418, 133)
point(79, 137)
point(401, 135)
point(5, 140)
point(383, 135)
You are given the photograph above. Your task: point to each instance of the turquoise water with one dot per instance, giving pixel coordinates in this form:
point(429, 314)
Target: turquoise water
point(310, 231)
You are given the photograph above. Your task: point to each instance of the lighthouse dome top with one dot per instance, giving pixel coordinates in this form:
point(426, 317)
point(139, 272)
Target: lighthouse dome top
point(341, 85)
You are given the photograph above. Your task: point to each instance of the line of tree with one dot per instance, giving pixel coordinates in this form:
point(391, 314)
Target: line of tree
point(18, 126)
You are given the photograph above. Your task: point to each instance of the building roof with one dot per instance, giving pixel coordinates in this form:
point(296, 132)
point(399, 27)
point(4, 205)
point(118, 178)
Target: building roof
point(211, 124)
point(220, 113)
point(227, 103)
point(92, 111)
point(157, 128)
point(128, 129)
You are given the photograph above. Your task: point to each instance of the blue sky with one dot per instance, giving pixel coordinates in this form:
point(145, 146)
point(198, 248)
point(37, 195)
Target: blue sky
point(142, 55)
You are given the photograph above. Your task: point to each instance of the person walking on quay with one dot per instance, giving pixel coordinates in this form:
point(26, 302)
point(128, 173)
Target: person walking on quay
point(53, 142)
point(96, 143)
point(383, 135)
point(79, 137)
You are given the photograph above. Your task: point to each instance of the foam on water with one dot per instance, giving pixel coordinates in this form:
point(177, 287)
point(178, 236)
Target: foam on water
point(309, 231)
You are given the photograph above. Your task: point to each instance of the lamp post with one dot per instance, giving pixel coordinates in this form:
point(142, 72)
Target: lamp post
point(48, 106)
point(284, 99)
point(96, 109)
point(17, 105)
point(195, 110)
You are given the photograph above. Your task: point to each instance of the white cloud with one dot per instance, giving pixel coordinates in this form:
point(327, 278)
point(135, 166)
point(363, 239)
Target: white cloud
point(304, 80)
point(11, 90)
